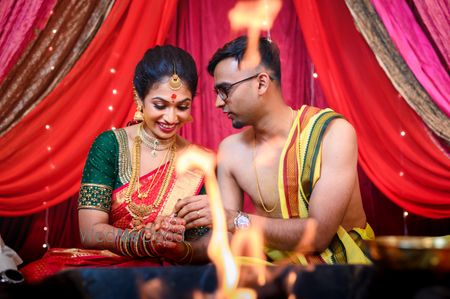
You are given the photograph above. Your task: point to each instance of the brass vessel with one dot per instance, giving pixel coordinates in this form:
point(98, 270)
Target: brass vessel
point(407, 252)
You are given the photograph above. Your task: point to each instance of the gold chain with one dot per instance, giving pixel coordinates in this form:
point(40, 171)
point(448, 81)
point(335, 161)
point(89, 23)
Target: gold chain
point(141, 211)
point(158, 175)
point(256, 172)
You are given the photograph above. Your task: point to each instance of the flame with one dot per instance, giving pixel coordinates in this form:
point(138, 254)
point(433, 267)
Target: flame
point(254, 16)
point(244, 293)
point(218, 248)
point(250, 242)
point(290, 281)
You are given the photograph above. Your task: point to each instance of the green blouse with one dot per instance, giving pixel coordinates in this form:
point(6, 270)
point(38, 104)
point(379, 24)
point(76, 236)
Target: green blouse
point(107, 168)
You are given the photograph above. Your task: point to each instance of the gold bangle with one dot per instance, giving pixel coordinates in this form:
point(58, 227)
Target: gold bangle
point(117, 243)
point(144, 244)
point(187, 252)
point(121, 245)
point(136, 245)
point(126, 243)
point(192, 252)
point(154, 250)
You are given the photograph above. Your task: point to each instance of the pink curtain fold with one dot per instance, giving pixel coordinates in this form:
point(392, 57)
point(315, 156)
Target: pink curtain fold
point(19, 22)
point(416, 49)
point(435, 15)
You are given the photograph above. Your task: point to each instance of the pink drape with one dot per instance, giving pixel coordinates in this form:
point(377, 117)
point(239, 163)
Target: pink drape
point(435, 15)
point(416, 49)
point(19, 21)
point(395, 149)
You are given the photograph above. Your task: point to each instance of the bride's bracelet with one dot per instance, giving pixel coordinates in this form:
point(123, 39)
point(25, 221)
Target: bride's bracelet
point(133, 243)
point(187, 258)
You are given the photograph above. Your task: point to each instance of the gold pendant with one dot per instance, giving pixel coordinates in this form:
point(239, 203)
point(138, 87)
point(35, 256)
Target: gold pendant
point(136, 222)
point(141, 210)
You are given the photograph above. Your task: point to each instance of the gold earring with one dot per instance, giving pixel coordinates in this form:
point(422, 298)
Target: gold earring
point(138, 115)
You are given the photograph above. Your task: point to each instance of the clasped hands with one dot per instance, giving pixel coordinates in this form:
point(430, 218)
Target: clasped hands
point(189, 212)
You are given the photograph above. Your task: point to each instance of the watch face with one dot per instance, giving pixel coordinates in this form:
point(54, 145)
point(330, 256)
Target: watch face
point(242, 221)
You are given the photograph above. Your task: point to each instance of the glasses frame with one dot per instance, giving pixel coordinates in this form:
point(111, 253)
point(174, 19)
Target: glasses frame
point(224, 91)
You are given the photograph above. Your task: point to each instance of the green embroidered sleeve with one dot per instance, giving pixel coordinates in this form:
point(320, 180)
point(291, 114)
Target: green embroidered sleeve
point(100, 173)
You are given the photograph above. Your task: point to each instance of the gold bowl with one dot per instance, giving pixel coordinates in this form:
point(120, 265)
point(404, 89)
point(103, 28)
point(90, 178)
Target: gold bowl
point(407, 253)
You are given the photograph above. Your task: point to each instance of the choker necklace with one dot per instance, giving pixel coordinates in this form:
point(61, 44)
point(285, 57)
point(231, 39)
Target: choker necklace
point(154, 143)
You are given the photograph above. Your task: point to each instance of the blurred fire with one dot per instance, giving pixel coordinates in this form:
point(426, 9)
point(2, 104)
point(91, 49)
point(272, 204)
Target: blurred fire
point(218, 248)
point(254, 15)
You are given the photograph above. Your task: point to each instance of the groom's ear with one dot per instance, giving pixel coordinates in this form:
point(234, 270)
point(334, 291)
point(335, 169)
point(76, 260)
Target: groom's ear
point(263, 82)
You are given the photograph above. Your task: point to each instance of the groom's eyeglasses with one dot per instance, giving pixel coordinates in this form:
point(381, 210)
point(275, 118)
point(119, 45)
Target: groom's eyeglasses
point(224, 89)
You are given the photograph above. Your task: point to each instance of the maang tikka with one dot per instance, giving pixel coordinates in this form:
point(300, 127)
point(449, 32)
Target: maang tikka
point(175, 81)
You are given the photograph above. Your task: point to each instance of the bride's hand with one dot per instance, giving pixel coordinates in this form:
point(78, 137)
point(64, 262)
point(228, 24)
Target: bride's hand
point(166, 232)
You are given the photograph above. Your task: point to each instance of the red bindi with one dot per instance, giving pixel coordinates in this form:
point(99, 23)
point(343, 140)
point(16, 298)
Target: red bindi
point(174, 96)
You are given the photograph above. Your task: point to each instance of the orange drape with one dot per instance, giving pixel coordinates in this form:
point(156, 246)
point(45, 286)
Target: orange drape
point(42, 157)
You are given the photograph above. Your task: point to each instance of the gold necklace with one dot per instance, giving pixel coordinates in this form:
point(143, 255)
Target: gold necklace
point(154, 143)
point(139, 212)
point(256, 172)
point(158, 175)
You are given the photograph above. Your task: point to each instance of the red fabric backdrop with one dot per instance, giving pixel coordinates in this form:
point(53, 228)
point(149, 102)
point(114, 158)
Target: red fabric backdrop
point(409, 168)
point(42, 157)
point(202, 36)
point(134, 26)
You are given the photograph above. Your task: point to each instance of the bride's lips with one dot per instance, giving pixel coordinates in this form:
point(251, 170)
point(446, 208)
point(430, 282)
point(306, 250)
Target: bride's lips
point(166, 128)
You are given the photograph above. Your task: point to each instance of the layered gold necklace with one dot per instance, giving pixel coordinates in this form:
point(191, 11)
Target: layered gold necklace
point(154, 143)
point(139, 212)
point(258, 189)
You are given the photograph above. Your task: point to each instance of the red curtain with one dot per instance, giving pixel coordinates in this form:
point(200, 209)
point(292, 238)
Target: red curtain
point(202, 36)
point(42, 157)
point(395, 148)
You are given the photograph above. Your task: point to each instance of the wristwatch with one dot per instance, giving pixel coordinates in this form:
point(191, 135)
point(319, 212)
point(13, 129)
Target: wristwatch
point(11, 276)
point(241, 221)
